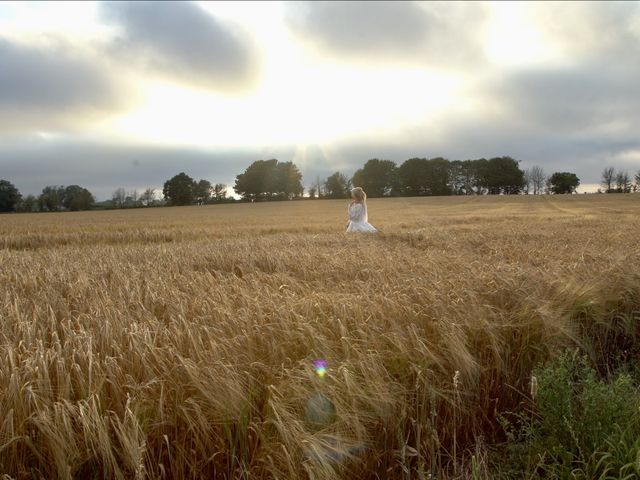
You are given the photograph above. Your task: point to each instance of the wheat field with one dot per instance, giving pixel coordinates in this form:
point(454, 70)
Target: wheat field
point(179, 343)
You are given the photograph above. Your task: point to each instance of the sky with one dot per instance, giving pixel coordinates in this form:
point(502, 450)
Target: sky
point(128, 94)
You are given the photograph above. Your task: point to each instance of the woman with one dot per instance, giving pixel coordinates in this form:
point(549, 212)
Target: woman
point(358, 213)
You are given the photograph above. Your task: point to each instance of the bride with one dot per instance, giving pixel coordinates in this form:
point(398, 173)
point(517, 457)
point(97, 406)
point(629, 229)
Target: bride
point(358, 213)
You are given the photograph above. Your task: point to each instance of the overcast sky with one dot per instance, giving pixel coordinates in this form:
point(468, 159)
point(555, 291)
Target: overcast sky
point(118, 94)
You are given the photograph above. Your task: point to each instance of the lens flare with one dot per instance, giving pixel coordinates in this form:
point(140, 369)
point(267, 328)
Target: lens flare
point(320, 367)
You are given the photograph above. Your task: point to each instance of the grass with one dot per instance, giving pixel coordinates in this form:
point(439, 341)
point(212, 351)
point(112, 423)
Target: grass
point(179, 342)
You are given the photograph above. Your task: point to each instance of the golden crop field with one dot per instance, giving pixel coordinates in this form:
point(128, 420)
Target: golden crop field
point(180, 342)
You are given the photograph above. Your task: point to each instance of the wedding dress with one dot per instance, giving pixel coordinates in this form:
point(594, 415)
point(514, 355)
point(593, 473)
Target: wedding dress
point(358, 219)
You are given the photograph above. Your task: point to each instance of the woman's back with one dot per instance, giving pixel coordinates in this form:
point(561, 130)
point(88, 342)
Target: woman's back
point(357, 210)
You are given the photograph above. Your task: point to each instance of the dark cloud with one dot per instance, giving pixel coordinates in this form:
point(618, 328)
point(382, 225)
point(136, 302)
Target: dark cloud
point(182, 41)
point(387, 31)
point(53, 86)
point(596, 99)
point(465, 139)
point(33, 162)
point(594, 91)
point(580, 115)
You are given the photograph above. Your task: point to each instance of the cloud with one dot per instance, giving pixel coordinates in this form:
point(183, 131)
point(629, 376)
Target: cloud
point(182, 41)
point(590, 30)
point(410, 32)
point(588, 99)
point(54, 86)
point(593, 90)
point(32, 162)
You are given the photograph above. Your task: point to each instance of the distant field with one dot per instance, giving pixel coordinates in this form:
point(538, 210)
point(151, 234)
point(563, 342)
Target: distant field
point(179, 342)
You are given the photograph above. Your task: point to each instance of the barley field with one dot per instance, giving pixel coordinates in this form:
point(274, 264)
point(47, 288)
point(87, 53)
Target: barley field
point(179, 343)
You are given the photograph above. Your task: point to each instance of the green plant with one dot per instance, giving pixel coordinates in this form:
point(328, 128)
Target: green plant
point(580, 426)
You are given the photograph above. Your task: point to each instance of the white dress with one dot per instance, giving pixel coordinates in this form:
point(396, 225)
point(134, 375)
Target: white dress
point(358, 219)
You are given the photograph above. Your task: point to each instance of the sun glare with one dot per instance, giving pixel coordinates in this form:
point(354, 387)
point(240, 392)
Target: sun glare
point(34, 22)
point(312, 104)
point(513, 39)
point(301, 98)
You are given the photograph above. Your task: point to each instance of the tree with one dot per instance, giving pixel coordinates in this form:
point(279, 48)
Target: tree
point(547, 185)
point(179, 190)
point(608, 177)
point(132, 200)
point(119, 197)
point(457, 178)
point(636, 187)
point(377, 178)
point(77, 198)
point(623, 182)
point(253, 183)
point(269, 179)
point(527, 181)
point(436, 176)
point(28, 204)
point(466, 177)
point(503, 175)
point(51, 198)
point(413, 176)
point(477, 170)
point(564, 182)
point(337, 186)
point(288, 181)
point(148, 197)
point(219, 192)
point(319, 187)
point(202, 192)
point(312, 191)
point(537, 179)
point(9, 196)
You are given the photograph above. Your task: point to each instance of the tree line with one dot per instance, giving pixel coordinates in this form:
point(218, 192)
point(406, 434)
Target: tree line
point(439, 176)
point(179, 190)
point(266, 180)
point(619, 181)
point(271, 180)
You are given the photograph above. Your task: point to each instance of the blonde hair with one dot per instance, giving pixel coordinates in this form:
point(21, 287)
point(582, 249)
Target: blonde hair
point(359, 194)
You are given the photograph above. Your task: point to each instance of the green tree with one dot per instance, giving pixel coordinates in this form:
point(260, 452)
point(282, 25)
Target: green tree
point(378, 177)
point(179, 190)
point(9, 196)
point(28, 204)
point(503, 175)
point(564, 182)
point(202, 192)
point(269, 179)
point(254, 182)
point(439, 176)
point(413, 177)
point(337, 186)
point(288, 181)
point(51, 198)
point(77, 198)
point(476, 173)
